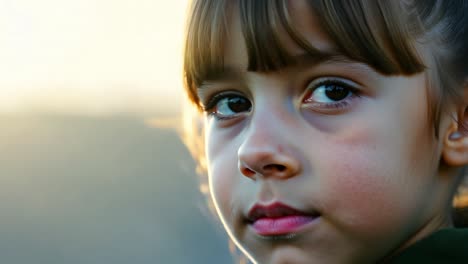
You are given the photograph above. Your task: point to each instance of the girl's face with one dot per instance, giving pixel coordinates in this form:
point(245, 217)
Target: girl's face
point(323, 161)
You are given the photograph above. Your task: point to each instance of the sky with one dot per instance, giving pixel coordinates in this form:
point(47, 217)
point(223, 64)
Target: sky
point(99, 189)
point(91, 56)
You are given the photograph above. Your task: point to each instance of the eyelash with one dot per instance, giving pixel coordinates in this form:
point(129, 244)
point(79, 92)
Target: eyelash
point(209, 106)
point(354, 93)
point(212, 101)
point(328, 107)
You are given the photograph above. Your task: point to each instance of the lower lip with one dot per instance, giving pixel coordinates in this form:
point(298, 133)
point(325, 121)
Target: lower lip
point(282, 225)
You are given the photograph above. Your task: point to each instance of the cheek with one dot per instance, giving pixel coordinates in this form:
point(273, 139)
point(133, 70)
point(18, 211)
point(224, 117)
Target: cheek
point(221, 182)
point(377, 169)
point(222, 168)
point(368, 188)
point(364, 188)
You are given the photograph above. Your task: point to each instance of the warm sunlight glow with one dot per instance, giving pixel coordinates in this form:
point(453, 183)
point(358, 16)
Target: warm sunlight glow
point(91, 56)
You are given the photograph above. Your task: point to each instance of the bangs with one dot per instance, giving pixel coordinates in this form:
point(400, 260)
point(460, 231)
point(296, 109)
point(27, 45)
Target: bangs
point(373, 32)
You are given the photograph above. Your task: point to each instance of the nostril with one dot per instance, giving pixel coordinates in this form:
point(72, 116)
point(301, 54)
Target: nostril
point(275, 167)
point(248, 172)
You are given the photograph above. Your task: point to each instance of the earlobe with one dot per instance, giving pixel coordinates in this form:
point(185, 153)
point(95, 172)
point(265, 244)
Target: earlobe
point(455, 151)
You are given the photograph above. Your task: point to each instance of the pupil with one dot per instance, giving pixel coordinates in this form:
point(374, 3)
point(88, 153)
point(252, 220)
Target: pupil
point(238, 104)
point(336, 93)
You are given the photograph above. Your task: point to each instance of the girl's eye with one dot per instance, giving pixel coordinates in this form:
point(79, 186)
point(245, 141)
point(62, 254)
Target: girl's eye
point(226, 106)
point(330, 95)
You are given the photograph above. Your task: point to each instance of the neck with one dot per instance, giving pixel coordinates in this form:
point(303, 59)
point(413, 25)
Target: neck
point(434, 224)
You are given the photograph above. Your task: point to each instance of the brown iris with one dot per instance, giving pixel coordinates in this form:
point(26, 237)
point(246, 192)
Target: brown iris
point(335, 92)
point(239, 104)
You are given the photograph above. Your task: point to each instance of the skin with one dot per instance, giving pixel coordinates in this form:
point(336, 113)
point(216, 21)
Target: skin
point(370, 164)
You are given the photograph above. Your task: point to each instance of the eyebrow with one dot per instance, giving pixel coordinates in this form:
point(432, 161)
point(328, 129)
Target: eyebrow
point(230, 73)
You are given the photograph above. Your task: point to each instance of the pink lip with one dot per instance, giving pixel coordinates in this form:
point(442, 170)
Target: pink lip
point(278, 219)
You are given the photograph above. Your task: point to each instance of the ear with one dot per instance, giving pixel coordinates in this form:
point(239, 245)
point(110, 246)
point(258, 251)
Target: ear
point(455, 151)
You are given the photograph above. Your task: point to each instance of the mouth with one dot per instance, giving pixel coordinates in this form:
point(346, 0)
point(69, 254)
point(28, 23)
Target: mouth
point(278, 219)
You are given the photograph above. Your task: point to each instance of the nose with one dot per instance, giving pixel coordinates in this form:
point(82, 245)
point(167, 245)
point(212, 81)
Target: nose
point(268, 154)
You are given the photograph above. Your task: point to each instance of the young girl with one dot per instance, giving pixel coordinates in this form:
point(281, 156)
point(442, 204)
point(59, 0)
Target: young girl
point(334, 131)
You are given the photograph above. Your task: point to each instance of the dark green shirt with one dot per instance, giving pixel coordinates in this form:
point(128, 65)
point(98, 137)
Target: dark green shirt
point(444, 246)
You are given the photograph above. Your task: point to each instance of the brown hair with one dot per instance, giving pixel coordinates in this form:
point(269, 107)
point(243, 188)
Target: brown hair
point(385, 34)
point(380, 33)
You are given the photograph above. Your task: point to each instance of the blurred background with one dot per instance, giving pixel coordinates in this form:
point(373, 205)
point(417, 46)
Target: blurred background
point(91, 167)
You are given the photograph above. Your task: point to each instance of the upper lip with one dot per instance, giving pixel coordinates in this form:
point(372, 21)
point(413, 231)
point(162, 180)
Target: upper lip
point(275, 210)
